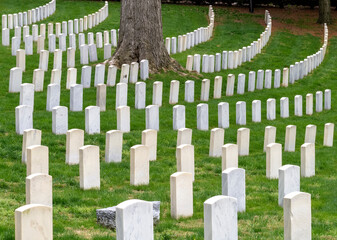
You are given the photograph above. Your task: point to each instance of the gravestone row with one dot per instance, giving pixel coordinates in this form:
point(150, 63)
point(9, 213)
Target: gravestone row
point(230, 59)
point(184, 42)
point(68, 27)
point(28, 17)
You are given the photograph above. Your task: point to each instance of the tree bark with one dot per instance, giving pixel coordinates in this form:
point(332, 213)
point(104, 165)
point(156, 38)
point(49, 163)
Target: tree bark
point(324, 12)
point(141, 36)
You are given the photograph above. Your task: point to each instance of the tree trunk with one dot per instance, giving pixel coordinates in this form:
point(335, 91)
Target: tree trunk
point(324, 12)
point(141, 36)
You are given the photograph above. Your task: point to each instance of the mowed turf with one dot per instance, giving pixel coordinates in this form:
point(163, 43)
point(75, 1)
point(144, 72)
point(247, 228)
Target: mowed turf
point(74, 209)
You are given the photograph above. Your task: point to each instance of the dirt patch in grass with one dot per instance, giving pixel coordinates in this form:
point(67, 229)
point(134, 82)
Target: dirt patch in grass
point(296, 20)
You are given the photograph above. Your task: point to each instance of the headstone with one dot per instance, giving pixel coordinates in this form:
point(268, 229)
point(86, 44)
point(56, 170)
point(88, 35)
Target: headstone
point(23, 118)
point(181, 188)
point(202, 117)
point(196, 63)
point(15, 79)
point(53, 96)
point(268, 76)
point(217, 92)
point(220, 218)
point(39, 189)
point(134, 220)
point(243, 139)
point(216, 142)
point(123, 119)
point(140, 95)
point(241, 84)
point(74, 141)
point(86, 76)
point(327, 99)
point(289, 181)
point(319, 101)
point(21, 59)
point(256, 111)
point(290, 138)
point(284, 107)
point(309, 102)
point(92, 120)
point(157, 94)
point(205, 63)
point(63, 42)
point(5, 37)
point(70, 57)
point(37, 159)
point(134, 68)
point(269, 136)
point(30, 137)
point(92, 52)
point(184, 136)
point(139, 165)
point(76, 98)
point(298, 106)
point(277, 78)
point(29, 45)
point(308, 160)
point(152, 117)
point(112, 73)
point(297, 216)
point(271, 109)
point(84, 54)
point(178, 117)
point(189, 91)
point(218, 62)
point(260, 76)
point(71, 77)
point(234, 185)
point(310, 134)
point(101, 97)
point(15, 45)
point(241, 113)
point(60, 120)
point(185, 158)
point(38, 80)
point(210, 63)
point(149, 139)
point(44, 58)
point(273, 160)
point(144, 69)
point(34, 220)
point(56, 75)
point(27, 94)
point(230, 153)
point(89, 167)
point(251, 81)
point(223, 115)
point(328, 134)
point(174, 92)
point(124, 78)
point(99, 74)
point(205, 86)
point(121, 95)
point(189, 63)
point(230, 85)
point(113, 146)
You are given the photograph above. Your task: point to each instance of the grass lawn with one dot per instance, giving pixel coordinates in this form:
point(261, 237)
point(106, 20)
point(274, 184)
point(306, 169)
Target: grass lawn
point(74, 209)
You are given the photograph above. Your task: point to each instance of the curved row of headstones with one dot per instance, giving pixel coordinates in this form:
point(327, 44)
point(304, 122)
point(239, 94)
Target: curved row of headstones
point(191, 39)
point(24, 112)
point(62, 30)
point(39, 184)
point(11, 21)
point(128, 73)
point(230, 59)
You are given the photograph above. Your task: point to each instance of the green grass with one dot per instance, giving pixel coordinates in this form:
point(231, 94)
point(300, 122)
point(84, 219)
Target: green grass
point(74, 209)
